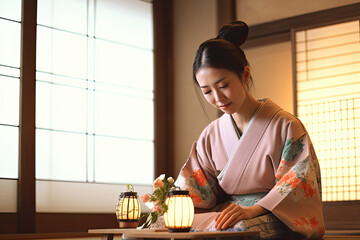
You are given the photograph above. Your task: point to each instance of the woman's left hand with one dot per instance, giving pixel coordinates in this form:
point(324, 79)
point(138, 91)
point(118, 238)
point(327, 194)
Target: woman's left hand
point(233, 213)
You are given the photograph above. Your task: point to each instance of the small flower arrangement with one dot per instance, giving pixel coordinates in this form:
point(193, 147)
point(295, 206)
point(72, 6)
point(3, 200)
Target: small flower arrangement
point(156, 200)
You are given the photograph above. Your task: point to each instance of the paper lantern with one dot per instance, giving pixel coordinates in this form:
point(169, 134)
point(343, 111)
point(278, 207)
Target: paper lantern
point(128, 210)
point(180, 214)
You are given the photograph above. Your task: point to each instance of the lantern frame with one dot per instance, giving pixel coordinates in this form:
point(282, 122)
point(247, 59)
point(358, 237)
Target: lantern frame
point(132, 215)
point(185, 224)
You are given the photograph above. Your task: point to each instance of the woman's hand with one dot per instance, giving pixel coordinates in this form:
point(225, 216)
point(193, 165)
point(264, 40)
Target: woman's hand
point(233, 213)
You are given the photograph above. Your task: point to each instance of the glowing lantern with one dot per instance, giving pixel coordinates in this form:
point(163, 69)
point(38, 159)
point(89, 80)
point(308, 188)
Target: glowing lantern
point(180, 214)
point(128, 209)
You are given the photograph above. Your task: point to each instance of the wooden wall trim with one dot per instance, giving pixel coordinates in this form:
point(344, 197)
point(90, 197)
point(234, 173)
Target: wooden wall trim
point(279, 30)
point(163, 87)
point(226, 12)
point(342, 215)
point(74, 222)
point(26, 182)
point(60, 222)
point(294, 71)
point(48, 236)
point(8, 223)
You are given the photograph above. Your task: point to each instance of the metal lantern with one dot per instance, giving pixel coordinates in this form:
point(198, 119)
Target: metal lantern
point(128, 210)
point(180, 214)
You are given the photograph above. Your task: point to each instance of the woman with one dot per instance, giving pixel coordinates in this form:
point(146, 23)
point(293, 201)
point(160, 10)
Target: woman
point(254, 168)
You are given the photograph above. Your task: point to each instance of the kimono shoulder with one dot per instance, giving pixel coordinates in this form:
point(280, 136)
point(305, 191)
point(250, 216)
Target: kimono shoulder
point(290, 125)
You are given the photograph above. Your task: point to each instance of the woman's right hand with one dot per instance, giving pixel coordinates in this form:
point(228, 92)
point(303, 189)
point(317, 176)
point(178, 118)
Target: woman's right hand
point(234, 213)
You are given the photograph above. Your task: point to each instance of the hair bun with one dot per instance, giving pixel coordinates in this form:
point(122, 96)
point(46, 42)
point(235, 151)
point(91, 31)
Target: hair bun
point(235, 32)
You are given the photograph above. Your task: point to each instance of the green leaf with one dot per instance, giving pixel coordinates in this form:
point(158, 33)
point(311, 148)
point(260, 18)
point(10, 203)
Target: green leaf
point(154, 217)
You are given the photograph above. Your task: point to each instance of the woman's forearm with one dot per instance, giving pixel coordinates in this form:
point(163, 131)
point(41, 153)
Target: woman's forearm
point(256, 210)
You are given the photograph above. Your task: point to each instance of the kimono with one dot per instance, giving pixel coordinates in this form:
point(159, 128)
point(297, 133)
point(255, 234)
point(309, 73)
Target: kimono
point(273, 164)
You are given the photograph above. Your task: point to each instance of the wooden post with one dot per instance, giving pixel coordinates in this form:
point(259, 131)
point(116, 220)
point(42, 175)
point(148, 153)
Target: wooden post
point(26, 182)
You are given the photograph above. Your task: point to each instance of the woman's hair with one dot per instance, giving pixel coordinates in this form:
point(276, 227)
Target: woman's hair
point(224, 51)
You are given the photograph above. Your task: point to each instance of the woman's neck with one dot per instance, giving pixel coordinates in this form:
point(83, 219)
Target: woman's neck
point(247, 110)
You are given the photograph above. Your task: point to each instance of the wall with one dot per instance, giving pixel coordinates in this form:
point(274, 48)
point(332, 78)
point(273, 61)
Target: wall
point(252, 11)
point(271, 70)
point(194, 22)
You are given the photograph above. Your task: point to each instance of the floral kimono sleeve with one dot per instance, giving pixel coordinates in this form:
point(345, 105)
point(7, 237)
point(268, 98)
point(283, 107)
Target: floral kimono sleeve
point(195, 177)
point(296, 197)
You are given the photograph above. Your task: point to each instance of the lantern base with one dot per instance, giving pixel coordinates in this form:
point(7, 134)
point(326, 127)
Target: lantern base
point(128, 224)
point(179, 230)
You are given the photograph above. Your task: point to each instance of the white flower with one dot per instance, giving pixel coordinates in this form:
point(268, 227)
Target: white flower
point(170, 180)
point(149, 204)
point(161, 177)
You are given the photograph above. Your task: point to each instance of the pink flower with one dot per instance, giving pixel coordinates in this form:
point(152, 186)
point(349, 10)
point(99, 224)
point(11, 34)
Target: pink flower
point(158, 183)
point(156, 208)
point(145, 198)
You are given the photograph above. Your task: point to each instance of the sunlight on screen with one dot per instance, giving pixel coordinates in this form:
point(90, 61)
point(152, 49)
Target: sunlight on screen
point(9, 137)
point(9, 100)
point(94, 86)
point(129, 162)
point(328, 89)
point(10, 43)
point(60, 155)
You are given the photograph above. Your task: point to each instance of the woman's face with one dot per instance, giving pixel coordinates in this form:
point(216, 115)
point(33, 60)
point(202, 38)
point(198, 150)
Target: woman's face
point(223, 89)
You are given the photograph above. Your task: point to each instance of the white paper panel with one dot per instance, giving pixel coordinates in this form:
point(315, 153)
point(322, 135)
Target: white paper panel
point(60, 156)
point(123, 161)
point(125, 21)
point(9, 138)
point(334, 51)
point(60, 107)
point(10, 43)
point(9, 100)
point(10, 9)
point(333, 30)
point(328, 82)
point(69, 15)
point(333, 41)
point(118, 115)
point(61, 53)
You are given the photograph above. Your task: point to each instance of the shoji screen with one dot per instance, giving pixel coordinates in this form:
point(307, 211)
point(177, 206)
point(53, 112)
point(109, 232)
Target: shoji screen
point(328, 103)
point(94, 102)
point(10, 28)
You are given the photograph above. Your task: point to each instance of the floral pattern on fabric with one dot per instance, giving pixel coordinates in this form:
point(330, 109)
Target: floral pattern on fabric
point(315, 168)
point(247, 200)
point(291, 149)
point(199, 188)
point(309, 223)
point(198, 175)
point(298, 182)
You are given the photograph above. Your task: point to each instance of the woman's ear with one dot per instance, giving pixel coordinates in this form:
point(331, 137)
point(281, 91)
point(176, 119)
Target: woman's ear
point(246, 75)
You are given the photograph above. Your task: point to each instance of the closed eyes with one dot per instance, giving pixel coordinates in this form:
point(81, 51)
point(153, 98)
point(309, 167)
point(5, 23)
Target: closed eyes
point(225, 86)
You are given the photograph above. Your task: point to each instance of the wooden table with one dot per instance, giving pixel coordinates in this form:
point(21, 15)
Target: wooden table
point(108, 234)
